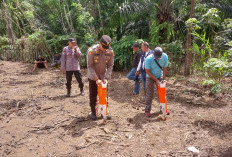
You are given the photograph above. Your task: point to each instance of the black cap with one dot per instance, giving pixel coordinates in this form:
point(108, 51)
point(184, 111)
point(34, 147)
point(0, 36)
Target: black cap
point(88, 44)
point(105, 41)
point(158, 52)
point(135, 45)
point(72, 40)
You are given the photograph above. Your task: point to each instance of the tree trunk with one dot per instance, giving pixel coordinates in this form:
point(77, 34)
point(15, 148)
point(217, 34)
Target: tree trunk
point(163, 11)
point(163, 16)
point(8, 20)
point(188, 55)
point(67, 19)
point(99, 12)
point(62, 20)
point(70, 19)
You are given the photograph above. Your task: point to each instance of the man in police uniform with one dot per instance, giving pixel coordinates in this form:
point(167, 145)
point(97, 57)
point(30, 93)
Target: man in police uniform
point(70, 64)
point(100, 61)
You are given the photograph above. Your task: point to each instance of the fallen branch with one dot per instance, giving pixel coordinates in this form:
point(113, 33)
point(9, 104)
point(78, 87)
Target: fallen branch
point(119, 144)
point(85, 146)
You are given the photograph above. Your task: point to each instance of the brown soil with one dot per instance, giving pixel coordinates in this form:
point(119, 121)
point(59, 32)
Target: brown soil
point(37, 120)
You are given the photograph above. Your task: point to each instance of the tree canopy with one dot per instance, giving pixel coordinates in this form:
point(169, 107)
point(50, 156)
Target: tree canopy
point(190, 31)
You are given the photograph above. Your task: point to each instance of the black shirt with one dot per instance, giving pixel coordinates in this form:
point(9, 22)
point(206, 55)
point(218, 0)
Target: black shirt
point(137, 57)
point(40, 60)
point(57, 58)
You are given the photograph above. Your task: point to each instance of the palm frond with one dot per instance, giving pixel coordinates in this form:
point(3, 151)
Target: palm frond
point(225, 6)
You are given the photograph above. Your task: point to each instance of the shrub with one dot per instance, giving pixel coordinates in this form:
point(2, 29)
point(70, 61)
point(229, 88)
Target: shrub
point(123, 52)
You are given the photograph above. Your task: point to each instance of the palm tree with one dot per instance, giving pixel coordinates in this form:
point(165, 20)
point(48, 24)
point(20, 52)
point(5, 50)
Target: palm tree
point(188, 56)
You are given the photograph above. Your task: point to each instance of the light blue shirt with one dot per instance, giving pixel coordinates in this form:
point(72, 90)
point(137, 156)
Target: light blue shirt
point(154, 68)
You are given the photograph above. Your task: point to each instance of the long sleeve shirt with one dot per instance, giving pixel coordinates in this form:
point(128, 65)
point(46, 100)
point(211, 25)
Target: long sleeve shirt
point(70, 59)
point(100, 64)
point(136, 59)
point(141, 65)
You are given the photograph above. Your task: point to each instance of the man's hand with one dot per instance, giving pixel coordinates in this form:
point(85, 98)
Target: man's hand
point(105, 81)
point(63, 71)
point(157, 82)
point(136, 73)
point(99, 82)
point(75, 49)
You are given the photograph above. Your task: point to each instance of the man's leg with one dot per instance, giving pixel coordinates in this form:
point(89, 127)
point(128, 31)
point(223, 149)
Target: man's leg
point(45, 65)
point(93, 97)
point(69, 80)
point(78, 77)
point(150, 85)
point(143, 76)
point(35, 67)
point(58, 63)
point(136, 87)
point(131, 74)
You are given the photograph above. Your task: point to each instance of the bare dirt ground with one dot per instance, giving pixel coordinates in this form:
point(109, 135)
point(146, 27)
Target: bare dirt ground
point(37, 120)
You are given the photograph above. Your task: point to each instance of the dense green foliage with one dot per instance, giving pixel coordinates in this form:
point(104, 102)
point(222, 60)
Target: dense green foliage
point(32, 27)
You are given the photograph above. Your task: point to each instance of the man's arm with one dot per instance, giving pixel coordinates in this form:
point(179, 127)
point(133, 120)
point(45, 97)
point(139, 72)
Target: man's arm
point(152, 76)
point(44, 61)
point(90, 64)
point(139, 66)
point(63, 61)
point(110, 67)
point(78, 53)
point(165, 71)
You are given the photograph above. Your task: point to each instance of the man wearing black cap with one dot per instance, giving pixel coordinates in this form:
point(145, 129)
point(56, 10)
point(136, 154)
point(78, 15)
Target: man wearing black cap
point(70, 64)
point(156, 69)
point(100, 62)
point(131, 74)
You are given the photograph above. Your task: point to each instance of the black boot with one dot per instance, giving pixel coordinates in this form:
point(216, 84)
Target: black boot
point(68, 93)
point(93, 114)
point(108, 117)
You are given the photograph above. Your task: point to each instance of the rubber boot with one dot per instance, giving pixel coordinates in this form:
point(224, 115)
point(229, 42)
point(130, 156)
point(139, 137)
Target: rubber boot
point(68, 93)
point(93, 114)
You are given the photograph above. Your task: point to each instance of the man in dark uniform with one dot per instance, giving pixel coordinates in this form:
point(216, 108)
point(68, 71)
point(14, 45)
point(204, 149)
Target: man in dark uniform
point(131, 74)
point(100, 61)
point(70, 64)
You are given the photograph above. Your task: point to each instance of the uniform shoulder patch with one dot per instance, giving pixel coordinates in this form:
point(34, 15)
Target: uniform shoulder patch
point(90, 52)
point(65, 49)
